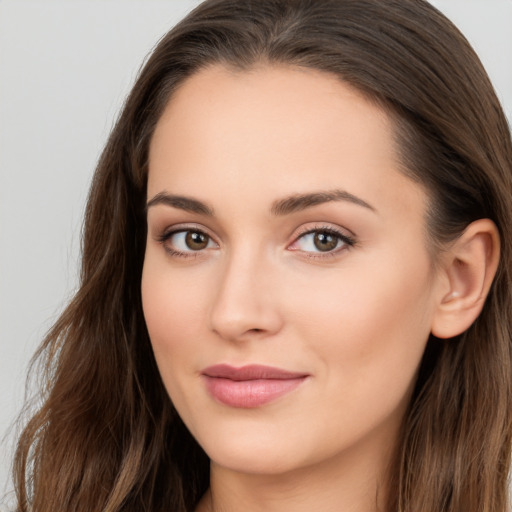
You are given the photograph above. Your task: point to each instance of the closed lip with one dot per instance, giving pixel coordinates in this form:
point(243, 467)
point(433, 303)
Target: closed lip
point(250, 372)
point(250, 386)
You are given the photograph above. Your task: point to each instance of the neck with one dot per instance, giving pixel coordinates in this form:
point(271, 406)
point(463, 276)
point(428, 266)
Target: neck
point(348, 483)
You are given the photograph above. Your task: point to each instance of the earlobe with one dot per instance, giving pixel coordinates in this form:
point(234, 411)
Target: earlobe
point(470, 266)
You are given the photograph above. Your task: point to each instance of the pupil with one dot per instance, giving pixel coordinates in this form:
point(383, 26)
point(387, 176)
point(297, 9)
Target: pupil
point(325, 241)
point(196, 241)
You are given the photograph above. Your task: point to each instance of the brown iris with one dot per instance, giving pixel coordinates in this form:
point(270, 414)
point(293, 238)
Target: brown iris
point(325, 241)
point(196, 241)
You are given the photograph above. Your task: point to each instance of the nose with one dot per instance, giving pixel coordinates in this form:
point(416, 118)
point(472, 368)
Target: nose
point(246, 303)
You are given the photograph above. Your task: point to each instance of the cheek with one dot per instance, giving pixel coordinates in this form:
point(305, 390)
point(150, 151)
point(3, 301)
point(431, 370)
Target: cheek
point(369, 325)
point(172, 306)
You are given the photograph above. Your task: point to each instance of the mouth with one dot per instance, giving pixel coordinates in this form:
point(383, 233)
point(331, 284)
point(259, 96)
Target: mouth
point(249, 386)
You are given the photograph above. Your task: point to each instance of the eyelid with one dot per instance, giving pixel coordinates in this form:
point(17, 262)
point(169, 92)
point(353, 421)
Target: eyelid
point(170, 231)
point(184, 226)
point(346, 236)
point(323, 226)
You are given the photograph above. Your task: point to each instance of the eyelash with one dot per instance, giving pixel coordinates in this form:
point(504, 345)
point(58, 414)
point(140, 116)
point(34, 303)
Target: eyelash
point(165, 237)
point(347, 241)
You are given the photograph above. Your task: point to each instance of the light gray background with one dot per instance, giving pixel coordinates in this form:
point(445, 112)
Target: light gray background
point(65, 67)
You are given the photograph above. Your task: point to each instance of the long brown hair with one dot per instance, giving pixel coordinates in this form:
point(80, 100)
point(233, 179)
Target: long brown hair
point(107, 436)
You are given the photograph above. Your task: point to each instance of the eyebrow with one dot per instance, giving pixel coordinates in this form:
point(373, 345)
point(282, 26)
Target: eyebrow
point(183, 203)
point(285, 206)
point(300, 202)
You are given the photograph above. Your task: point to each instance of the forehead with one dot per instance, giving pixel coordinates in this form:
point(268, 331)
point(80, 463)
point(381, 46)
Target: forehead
point(276, 130)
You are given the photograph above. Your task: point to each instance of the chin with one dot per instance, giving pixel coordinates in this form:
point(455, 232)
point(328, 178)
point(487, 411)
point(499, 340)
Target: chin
point(253, 454)
point(261, 462)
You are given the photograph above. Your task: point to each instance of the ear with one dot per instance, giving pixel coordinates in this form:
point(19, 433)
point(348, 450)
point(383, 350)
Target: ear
point(468, 269)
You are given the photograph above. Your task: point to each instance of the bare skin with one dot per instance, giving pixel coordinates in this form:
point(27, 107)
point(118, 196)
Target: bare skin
point(300, 246)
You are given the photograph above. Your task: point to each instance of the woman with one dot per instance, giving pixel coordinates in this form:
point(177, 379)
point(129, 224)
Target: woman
point(295, 288)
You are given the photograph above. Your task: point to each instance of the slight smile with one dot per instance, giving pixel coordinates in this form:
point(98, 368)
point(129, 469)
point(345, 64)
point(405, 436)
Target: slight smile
point(249, 386)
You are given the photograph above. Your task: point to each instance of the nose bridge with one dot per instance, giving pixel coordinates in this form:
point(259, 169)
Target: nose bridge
point(245, 301)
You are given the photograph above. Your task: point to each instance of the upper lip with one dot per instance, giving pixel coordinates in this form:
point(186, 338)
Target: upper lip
point(250, 372)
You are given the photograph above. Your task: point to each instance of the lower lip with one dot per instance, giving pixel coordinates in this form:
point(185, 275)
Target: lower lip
point(248, 394)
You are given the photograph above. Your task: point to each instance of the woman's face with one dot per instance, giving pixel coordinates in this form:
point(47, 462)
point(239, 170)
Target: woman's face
point(287, 285)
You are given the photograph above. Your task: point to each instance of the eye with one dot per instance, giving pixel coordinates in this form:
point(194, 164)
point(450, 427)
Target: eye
point(188, 241)
point(322, 241)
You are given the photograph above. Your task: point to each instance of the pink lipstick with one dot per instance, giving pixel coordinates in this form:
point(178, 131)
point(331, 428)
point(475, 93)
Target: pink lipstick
point(249, 386)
